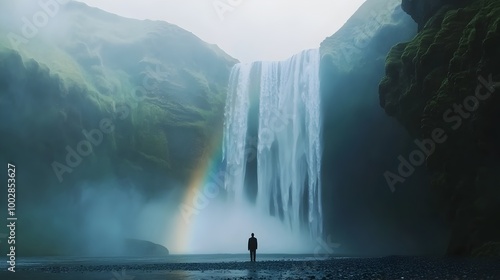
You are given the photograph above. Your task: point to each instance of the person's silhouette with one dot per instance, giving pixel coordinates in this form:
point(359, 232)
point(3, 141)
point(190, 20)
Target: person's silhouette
point(252, 247)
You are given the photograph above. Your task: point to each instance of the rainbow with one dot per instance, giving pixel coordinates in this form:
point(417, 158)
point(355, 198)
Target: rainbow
point(186, 217)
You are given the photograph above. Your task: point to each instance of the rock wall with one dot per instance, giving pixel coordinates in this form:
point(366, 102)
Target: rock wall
point(361, 143)
point(443, 87)
point(422, 10)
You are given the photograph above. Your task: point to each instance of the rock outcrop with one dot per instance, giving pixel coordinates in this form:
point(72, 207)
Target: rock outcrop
point(143, 248)
point(443, 86)
point(422, 10)
point(361, 143)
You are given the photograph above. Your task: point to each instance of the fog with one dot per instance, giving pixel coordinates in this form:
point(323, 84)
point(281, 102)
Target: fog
point(224, 227)
point(276, 29)
point(88, 215)
point(94, 219)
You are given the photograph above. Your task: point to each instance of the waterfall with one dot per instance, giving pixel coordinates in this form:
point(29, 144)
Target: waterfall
point(286, 144)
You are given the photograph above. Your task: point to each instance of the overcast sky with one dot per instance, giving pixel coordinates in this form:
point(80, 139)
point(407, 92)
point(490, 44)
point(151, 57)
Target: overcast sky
point(248, 30)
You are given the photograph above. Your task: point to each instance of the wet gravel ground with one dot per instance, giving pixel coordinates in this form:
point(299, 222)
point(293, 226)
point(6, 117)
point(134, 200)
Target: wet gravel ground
point(347, 268)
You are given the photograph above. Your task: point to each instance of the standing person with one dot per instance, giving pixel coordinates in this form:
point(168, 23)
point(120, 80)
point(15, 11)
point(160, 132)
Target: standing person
point(252, 247)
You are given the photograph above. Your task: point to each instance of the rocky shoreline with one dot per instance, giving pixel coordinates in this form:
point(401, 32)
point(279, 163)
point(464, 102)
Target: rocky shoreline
point(339, 268)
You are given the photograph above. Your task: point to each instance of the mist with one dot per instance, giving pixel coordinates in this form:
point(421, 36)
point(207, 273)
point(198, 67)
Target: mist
point(224, 228)
point(94, 219)
point(67, 68)
point(233, 25)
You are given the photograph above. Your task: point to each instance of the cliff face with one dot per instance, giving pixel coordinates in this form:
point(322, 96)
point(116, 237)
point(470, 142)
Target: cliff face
point(89, 97)
point(443, 87)
point(422, 10)
point(361, 143)
point(162, 88)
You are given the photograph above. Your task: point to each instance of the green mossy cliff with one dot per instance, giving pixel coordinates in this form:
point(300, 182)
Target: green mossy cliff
point(160, 87)
point(446, 79)
point(361, 143)
point(148, 97)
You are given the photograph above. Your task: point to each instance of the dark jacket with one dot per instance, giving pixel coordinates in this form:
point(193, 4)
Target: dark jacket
point(252, 243)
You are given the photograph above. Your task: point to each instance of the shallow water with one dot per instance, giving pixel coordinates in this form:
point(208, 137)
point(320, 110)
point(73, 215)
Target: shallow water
point(112, 266)
point(26, 262)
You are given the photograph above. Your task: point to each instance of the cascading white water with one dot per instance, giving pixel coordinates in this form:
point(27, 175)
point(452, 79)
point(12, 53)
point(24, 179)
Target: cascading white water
point(289, 138)
point(236, 118)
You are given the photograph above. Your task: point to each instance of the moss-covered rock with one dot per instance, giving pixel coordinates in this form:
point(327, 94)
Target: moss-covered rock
point(152, 80)
point(446, 78)
point(422, 10)
point(95, 107)
point(361, 143)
